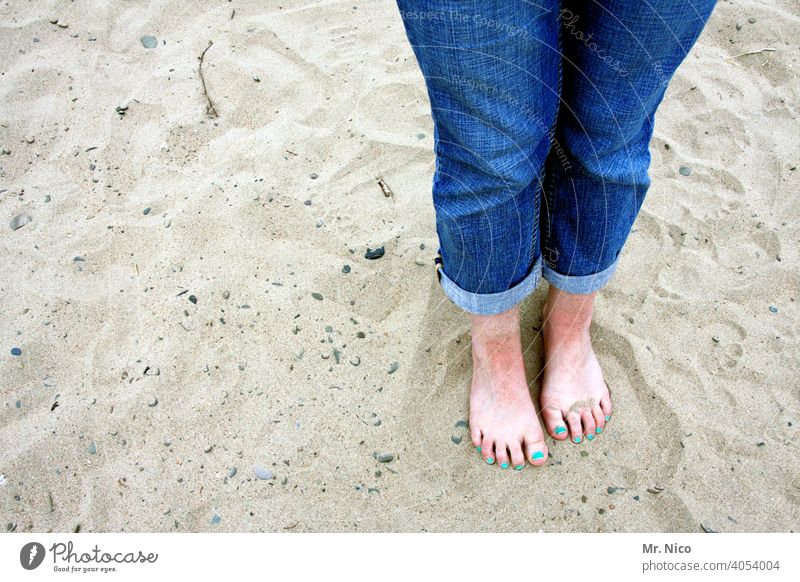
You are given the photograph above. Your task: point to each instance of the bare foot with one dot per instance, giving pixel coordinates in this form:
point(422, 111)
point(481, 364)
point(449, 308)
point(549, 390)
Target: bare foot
point(502, 419)
point(574, 398)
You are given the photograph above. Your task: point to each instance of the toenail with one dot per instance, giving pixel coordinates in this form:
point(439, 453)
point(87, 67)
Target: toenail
point(490, 460)
point(560, 429)
point(608, 418)
point(577, 439)
point(590, 436)
point(537, 455)
point(599, 429)
point(504, 465)
point(519, 467)
point(478, 449)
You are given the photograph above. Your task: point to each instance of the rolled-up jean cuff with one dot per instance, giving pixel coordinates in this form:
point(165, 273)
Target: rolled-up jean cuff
point(579, 284)
point(491, 303)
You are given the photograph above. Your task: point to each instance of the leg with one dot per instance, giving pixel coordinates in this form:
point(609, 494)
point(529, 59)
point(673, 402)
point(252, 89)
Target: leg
point(491, 72)
point(619, 56)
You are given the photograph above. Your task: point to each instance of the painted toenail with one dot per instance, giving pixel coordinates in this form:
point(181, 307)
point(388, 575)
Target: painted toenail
point(537, 455)
point(519, 467)
point(577, 439)
point(478, 449)
point(608, 418)
point(590, 436)
point(504, 465)
point(599, 429)
point(490, 460)
point(560, 429)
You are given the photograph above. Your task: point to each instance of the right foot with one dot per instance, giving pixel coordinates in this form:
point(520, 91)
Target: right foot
point(502, 419)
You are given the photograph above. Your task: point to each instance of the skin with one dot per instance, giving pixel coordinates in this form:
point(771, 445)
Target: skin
point(575, 402)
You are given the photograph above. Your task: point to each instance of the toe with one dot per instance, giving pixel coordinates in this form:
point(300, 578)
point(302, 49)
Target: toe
point(487, 450)
point(588, 424)
point(502, 455)
point(554, 422)
point(476, 436)
point(575, 427)
point(517, 456)
point(605, 405)
point(536, 450)
point(599, 419)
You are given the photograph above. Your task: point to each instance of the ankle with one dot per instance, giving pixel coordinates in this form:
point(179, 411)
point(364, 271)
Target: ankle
point(489, 329)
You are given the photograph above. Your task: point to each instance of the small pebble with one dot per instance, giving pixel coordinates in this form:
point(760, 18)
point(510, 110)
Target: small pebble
point(215, 519)
point(16, 352)
point(193, 299)
point(420, 136)
point(317, 296)
point(346, 269)
point(262, 473)
point(149, 41)
point(385, 457)
point(393, 368)
point(313, 175)
point(456, 440)
point(19, 221)
point(147, 211)
point(232, 472)
point(685, 171)
point(208, 448)
point(152, 402)
point(752, 20)
point(773, 309)
point(738, 26)
point(373, 254)
point(707, 528)
point(461, 424)
point(307, 202)
point(92, 448)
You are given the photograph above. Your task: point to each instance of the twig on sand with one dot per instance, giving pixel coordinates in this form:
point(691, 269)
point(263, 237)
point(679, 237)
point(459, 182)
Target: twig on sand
point(233, 13)
point(210, 108)
point(763, 50)
point(385, 187)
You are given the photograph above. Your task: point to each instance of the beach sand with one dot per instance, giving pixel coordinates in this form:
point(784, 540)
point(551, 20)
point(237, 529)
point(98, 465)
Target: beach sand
point(161, 295)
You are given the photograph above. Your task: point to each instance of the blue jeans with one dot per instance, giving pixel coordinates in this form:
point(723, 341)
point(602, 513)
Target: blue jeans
point(543, 112)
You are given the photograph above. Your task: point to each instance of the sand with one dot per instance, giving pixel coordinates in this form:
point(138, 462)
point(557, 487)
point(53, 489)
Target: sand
point(149, 337)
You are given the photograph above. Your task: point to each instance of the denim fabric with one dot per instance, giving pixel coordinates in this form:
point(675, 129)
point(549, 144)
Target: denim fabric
point(542, 117)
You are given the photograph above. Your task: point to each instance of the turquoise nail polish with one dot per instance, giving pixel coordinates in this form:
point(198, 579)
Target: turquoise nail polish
point(590, 436)
point(608, 418)
point(478, 449)
point(577, 439)
point(519, 467)
point(490, 460)
point(599, 429)
point(504, 465)
point(537, 455)
point(560, 429)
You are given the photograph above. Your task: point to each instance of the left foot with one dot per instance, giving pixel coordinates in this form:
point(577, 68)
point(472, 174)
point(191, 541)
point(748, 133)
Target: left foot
point(575, 400)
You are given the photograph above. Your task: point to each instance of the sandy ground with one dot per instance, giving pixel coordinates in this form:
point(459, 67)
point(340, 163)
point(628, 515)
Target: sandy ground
point(163, 348)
